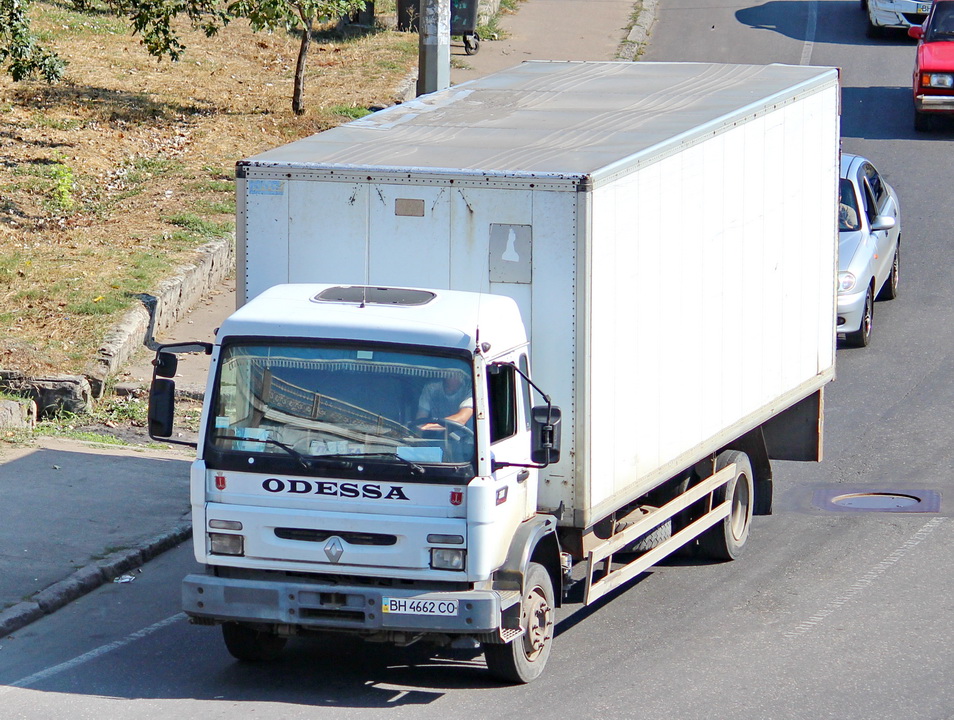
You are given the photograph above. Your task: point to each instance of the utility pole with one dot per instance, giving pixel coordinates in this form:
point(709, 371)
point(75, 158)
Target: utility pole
point(434, 49)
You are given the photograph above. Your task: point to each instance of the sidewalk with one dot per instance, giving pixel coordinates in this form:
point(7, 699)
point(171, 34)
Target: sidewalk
point(76, 516)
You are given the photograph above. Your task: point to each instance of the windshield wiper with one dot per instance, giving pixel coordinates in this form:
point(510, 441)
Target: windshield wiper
point(302, 460)
point(418, 469)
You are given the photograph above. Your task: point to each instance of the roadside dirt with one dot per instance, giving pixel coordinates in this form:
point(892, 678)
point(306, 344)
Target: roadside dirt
point(111, 178)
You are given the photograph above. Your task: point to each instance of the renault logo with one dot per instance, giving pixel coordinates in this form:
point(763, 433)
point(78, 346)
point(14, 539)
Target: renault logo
point(334, 550)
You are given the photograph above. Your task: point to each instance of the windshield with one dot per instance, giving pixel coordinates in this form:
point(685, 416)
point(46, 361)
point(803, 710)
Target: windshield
point(941, 26)
point(324, 409)
point(847, 207)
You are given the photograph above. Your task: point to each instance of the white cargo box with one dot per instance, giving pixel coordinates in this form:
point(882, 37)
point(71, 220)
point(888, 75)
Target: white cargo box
point(667, 229)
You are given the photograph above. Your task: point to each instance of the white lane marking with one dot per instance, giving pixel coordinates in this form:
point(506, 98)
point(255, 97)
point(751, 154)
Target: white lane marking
point(866, 580)
point(810, 28)
point(92, 654)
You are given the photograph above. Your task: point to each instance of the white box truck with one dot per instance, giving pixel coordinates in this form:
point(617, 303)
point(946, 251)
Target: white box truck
point(656, 240)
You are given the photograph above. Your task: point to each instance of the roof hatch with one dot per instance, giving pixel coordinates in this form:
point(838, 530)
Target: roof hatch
point(365, 295)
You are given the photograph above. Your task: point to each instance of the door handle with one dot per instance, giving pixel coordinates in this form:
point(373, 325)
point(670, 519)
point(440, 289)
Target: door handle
point(523, 475)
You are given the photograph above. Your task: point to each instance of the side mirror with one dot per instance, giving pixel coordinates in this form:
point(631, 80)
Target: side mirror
point(545, 430)
point(883, 222)
point(162, 401)
point(916, 31)
point(165, 364)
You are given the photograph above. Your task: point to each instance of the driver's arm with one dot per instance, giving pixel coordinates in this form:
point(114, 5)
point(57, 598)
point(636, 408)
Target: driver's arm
point(461, 416)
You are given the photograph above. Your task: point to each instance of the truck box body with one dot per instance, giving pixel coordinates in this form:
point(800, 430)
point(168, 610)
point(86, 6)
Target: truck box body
point(667, 230)
point(657, 241)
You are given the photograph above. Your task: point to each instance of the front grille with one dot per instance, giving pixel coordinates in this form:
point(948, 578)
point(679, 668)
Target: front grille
point(352, 538)
point(351, 616)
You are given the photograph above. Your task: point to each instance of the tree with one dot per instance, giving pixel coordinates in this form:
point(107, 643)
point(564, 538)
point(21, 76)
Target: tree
point(153, 21)
point(288, 14)
point(19, 47)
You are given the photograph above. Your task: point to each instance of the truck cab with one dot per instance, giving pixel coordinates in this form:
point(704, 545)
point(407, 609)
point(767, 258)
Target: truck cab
point(365, 463)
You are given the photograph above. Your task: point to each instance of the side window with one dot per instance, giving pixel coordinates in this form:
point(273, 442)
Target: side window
point(502, 394)
point(870, 205)
point(877, 187)
point(867, 202)
point(525, 367)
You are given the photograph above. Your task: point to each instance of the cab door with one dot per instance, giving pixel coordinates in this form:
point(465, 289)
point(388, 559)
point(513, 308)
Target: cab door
point(508, 400)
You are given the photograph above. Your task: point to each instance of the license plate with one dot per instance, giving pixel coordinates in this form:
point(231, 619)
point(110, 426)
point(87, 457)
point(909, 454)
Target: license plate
point(924, 9)
point(418, 606)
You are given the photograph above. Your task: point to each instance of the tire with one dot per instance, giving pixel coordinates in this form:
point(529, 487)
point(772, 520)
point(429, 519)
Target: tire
point(656, 536)
point(923, 122)
point(472, 44)
point(251, 645)
point(523, 660)
point(862, 336)
point(725, 540)
point(889, 291)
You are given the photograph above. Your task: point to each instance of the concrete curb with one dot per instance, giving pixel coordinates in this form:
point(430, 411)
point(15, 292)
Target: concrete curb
point(174, 298)
point(89, 578)
point(644, 19)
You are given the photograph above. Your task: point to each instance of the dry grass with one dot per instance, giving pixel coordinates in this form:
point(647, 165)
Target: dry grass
point(110, 179)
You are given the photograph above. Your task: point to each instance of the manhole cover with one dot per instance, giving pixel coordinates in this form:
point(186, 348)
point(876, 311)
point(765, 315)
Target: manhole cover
point(876, 501)
point(855, 499)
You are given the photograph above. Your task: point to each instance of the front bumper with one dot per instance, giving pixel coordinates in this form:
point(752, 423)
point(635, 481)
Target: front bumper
point(897, 13)
point(934, 103)
point(851, 310)
point(339, 607)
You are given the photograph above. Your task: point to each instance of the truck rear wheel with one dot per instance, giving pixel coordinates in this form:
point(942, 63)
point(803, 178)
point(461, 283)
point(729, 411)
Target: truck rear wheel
point(251, 645)
point(523, 659)
point(725, 540)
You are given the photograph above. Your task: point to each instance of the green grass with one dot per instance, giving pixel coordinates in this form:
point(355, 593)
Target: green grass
point(44, 121)
point(85, 23)
point(142, 169)
point(212, 186)
point(225, 206)
point(348, 111)
point(199, 227)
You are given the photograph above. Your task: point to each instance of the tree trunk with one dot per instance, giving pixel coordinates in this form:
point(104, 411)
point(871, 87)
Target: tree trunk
point(298, 98)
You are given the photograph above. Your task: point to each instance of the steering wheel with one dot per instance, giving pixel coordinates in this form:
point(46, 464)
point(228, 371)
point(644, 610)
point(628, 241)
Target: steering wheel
point(448, 425)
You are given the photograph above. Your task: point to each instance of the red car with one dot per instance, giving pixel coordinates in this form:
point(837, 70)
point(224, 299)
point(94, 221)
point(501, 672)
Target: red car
point(934, 66)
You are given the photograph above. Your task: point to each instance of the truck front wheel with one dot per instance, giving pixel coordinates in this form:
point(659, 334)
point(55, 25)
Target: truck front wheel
point(523, 659)
point(251, 645)
point(724, 540)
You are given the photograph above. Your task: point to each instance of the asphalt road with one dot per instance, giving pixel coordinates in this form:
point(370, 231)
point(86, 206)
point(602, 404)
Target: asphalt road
point(829, 614)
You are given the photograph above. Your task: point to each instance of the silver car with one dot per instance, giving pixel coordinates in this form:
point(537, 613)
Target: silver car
point(869, 247)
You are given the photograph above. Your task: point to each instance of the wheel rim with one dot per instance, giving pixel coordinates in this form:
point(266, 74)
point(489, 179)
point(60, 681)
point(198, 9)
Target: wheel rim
point(895, 270)
point(739, 519)
point(538, 623)
point(866, 321)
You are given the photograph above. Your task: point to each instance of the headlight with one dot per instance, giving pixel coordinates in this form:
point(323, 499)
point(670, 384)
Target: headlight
point(447, 559)
point(222, 544)
point(937, 80)
point(846, 282)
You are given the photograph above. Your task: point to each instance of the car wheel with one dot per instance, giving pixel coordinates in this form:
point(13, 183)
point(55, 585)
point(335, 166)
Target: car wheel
point(862, 336)
point(725, 540)
point(864, 4)
point(889, 291)
point(923, 122)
